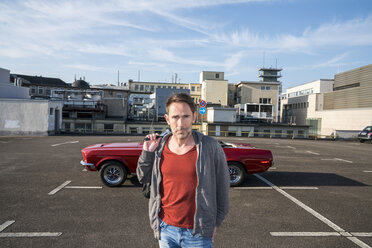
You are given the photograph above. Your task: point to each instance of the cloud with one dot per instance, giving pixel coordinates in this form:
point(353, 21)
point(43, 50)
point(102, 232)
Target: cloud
point(86, 67)
point(233, 60)
point(355, 32)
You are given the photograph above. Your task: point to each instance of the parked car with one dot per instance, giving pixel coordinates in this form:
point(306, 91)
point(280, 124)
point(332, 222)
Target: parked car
point(365, 134)
point(116, 161)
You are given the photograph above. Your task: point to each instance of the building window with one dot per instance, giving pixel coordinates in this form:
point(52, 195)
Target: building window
point(109, 127)
point(147, 87)
point(41, 91)
point(132, 130)
point(51, 111)
point(48, 92)
point(136, 87)
point(278, 133)
point(217, 75)
point(265, 100)
point(265, 88)
point(141, 87)
point(152, 87)
point(119, 95)
point(192, 88)
point(33, 90)
point(145, 130)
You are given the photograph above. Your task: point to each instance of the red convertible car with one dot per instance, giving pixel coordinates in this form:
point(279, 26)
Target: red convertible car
point(116, 161)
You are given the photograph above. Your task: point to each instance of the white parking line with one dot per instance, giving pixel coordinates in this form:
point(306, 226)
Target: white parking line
point(83, 187)
point(252, 188)
point(290, 147)
point(290, 187)
point(30, 234)
point(332, 225)
point(284, 187)
point(343, 160)
point(6, 224)
point(367, 171)
point(24, 234)
point(304, 234)
point(59, 188)
point(315, 153)
point(361, 234)
point(337, 159)
point(64, 143)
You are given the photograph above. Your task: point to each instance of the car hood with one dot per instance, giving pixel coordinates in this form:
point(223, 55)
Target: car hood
point(115, 145)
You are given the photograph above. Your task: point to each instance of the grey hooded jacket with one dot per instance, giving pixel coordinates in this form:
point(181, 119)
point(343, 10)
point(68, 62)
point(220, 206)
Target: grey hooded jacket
point(212, 191)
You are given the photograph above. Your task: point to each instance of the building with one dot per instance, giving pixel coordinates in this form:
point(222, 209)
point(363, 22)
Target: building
point(20, 115)
point(300, 102)
point(214, 87)
point(137, 87)
point(39, 87)
point(345, 108)
point(257, 101)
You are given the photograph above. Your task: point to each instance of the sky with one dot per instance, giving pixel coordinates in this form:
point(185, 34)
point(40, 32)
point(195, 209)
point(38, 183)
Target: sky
point(153, 40)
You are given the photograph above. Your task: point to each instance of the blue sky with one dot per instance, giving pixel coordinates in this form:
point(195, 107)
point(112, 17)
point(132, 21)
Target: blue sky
point(308, 39)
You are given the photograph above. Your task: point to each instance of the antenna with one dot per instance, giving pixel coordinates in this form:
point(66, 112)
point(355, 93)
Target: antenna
point(118, 78)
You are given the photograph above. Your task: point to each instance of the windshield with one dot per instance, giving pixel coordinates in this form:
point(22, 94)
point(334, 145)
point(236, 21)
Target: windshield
point(368, 128)
point(225, 144)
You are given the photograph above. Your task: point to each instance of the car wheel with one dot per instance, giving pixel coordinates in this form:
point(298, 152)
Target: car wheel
point(113, 174)
point(361, 141)
point(237, 174)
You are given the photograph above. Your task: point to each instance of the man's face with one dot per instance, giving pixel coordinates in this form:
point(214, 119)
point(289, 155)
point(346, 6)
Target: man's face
point(180, 119)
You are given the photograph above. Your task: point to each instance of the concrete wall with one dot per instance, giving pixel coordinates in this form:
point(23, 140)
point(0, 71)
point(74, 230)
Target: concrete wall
point(215, 91)
point(29, 117)
point(211, 75)
point(116, 107)
point(8, 90)
point(344, 119)
point(4, 76)
point(221, 115)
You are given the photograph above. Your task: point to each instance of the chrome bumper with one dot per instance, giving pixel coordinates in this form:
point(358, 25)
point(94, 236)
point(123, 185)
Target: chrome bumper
point(91, 166)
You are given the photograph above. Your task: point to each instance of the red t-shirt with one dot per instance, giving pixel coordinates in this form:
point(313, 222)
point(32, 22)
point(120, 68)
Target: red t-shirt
point(178, 187)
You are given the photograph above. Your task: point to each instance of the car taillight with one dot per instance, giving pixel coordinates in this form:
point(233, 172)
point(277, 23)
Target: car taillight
point(265, 162)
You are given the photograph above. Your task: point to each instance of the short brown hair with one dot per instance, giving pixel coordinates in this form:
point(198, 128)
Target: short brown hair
point(181, 97)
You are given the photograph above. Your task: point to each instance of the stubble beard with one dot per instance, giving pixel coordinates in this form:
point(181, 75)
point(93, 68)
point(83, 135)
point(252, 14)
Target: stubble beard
point(182, 136)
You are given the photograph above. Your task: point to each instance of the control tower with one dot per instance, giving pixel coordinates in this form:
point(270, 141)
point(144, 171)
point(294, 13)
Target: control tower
point(269, 74)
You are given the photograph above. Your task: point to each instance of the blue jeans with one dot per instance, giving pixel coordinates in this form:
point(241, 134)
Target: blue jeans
point(172, 237)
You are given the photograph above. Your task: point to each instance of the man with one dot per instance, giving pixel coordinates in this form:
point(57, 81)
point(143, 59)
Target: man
point(189, 180)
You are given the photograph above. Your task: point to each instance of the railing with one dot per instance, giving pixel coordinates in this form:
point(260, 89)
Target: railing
point(211, 133)
point(270, 135)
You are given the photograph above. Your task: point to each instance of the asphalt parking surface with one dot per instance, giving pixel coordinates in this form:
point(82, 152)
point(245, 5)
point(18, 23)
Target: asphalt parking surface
point(318, 194)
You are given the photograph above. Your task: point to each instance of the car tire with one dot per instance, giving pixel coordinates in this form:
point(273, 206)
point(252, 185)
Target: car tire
point(237, 174)
point(361, 141)
point(113, 174)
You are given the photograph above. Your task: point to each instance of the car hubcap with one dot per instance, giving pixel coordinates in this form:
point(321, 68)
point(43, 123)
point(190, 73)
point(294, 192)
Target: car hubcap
point(113, 175)
point(235, 174)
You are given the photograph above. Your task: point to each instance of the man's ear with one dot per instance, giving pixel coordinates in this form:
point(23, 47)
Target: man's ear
point(166, 118)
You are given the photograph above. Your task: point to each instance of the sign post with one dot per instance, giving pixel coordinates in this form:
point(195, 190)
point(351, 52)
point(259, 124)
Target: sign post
point(202, 110)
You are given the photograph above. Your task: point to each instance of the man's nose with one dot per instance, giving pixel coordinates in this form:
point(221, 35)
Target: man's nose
point(180, 122)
